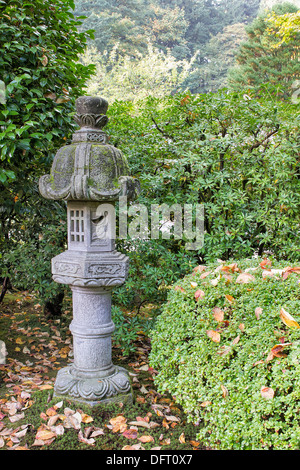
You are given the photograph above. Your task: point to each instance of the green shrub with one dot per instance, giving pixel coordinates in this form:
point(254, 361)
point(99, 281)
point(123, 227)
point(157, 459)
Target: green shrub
point(225, 374)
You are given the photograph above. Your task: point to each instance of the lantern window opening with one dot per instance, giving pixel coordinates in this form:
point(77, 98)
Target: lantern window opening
point(77, 226)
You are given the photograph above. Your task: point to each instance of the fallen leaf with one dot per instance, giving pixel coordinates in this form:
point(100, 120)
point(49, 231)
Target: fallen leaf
point(218, 314)
point(229, 298)
point(59, 430)
point(44, 434)
point(230, 268)
point(258, 312)
point(143, 424)
point(287, 319)
point(213, 335)
point(182, 438)
point(265, 264)
point(194, 284)
point(244, 278)
point(44, 60)
point(195, 443)
point(118, 420)
point(258, 362)
point(51, 411)
point(81, 438)
point(51, 96)
point(179, 288)
point(205, 403)
point(130, 434)
point(20, 341)
point(46, 387)
point(204, 275)
point(224, 390)
point(199, 269)
point(287, 271)
point(16, 417)
point(236, 340)
point(242, 327)
point(97, 432)
point(267, 392)
point(166, 442)
point(86, 418)
point(277, 351)
point(133, 447)
point(214, 282)
point(199, 294)
point(144, 439)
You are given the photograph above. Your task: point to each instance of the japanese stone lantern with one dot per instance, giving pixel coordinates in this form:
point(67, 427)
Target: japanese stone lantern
point(91, 175)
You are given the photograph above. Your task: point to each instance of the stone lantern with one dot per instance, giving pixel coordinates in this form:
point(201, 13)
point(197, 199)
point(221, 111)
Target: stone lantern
point(91, 175)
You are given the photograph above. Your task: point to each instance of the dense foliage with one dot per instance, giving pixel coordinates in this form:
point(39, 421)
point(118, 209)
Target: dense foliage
point(236, 154)
point(227, 348)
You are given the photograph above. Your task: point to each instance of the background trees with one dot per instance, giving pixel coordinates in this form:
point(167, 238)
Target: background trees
point(260, 60)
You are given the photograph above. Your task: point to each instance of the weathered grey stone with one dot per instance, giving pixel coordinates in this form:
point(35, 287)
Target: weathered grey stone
point(91, 175)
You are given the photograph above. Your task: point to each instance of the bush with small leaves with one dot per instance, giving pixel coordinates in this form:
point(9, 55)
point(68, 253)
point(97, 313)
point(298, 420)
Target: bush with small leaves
point(227, 347)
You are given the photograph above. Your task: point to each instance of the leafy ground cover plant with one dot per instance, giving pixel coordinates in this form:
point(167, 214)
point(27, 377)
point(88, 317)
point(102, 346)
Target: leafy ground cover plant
point(227, 346)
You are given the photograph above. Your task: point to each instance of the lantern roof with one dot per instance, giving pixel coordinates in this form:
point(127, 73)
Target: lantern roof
point(89, 168)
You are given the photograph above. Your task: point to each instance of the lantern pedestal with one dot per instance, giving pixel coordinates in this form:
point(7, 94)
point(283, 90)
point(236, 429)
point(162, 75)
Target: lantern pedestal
point(93, 378)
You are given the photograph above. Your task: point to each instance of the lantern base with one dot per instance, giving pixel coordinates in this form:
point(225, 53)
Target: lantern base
point(94, 391)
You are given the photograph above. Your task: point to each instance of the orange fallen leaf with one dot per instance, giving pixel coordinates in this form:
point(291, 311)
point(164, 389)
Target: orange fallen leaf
point(86, 418)
point(267, 392)
point(179, 288)
point(287, 319)
point(205, 403)
point(44, 434)
point(218, 314)
point(20, 341)
point(199, 269)
point(224, 390)
point(182, 438)
point(46, 387)
point(287, 271)
point(118, 420)
point(195, 443)
point(199, 294)
point(230, 268)
point(51, 411)
point(277, 351)
point(244, 278)
point(229, 298)
point(258, 312)
point(145, 438)
point(130, 434)
point(265, 264)
point(214, 335)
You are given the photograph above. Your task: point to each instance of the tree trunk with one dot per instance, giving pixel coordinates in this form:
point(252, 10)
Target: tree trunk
point(4, 288)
